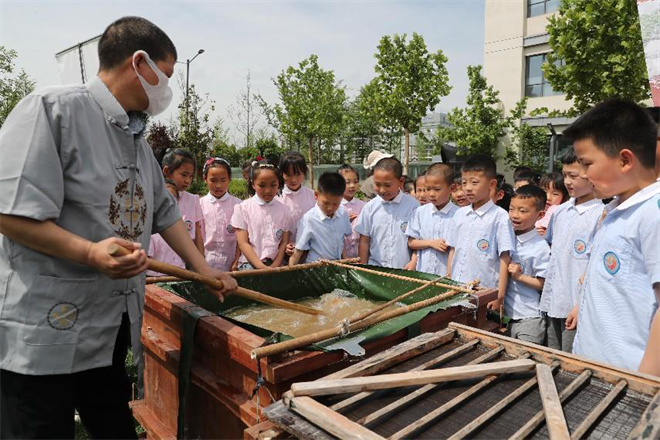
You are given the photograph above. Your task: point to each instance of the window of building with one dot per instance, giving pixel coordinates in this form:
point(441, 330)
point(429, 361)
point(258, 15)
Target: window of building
point(541, 7)
point(535, 82)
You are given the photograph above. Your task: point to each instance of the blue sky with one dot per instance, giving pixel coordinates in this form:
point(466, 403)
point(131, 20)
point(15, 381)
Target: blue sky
point(263, 37)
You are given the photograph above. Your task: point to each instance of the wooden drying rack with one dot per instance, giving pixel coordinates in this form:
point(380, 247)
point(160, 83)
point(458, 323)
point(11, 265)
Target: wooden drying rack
point(619, 393)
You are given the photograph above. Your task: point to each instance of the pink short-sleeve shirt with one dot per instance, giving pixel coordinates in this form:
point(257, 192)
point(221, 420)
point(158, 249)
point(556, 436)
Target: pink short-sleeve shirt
point(219, 237)
point(298, 202)
point(161, 251)
point(352, 241)
point(265, 224)
point(191, 211)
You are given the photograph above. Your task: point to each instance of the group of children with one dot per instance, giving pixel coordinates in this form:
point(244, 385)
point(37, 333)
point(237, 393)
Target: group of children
point(556, 254)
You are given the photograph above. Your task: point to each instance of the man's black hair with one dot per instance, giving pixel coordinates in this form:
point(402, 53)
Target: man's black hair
point(331, 183)
point(293, 162)
point(530, 176)
point(480, 163)
point(442, 170)
point(569, 157)
point(390, 164)
point(127, 35)
point(531, 192)
point(617, 124)
point(520, 169)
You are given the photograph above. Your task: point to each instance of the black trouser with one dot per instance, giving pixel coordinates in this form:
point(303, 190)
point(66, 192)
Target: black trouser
point(42, 407)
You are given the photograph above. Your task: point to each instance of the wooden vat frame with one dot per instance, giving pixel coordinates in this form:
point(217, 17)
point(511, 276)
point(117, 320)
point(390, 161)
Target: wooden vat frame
point(223, 374)
point(647, 428)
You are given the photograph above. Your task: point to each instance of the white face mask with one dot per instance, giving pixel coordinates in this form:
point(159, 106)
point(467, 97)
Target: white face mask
point(160, 95)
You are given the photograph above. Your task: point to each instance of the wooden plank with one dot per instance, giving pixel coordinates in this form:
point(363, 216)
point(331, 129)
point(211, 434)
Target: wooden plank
point(401, 403)
point(642, 383)
point(294, 424)
point(433, 362)
point(529, 427)
point(649, 426)
point(438, 412)
point(387, 381)
point(331, 421)
point(598, 411)
point(495, 409)
point(554, 414)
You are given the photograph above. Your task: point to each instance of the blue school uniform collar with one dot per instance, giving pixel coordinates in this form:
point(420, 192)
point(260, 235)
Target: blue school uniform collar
point(584, 207)
point(107, 101)
point(483, 209)
point(523, 238)
point(640, 196)
point(445, 209)
point(396, 199)
point(321, 215)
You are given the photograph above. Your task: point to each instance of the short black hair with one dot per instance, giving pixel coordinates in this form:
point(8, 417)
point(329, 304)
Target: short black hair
point(331, 183)
point(569, 157)
point(347, 168)
point(617, 124)
point(557, 182)
point(530, 176)
point(480, 163)
point(409, 182)
point(442, 170)
point(390, 164)
point(507, 193)
point(127, 35)
point(216, 162)
point(293, 161)
point(520, 169)
point(531, 192)
point(173, 158)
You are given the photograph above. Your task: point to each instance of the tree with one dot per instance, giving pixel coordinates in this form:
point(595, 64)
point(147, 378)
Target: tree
point(13, 88)
point(160, 137)
point(410, 82)
point(195, 134)
point(478, 127)
point(312, 106)
point(597, 52)
point(246, 113)
point(529, 145)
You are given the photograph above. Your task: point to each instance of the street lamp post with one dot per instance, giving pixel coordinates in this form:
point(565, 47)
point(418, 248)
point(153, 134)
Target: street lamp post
point(187, 63)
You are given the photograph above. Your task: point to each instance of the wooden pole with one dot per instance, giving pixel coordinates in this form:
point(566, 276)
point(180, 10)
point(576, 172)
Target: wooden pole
point(401, 277)
point(158, 266)
point(554, 413)
point(399, 380)
point(598, 411)
point(324, 335)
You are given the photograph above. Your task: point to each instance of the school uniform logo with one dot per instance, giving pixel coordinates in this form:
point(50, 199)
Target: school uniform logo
point(189, 225)
point(483, 245)
point(230, 229)
point(404, 226)
point(611, 262)
point(279, 234)
point(62, 316)
point(580, 246)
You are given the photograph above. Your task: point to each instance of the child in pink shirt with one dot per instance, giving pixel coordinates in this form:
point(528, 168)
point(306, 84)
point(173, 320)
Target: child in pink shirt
point(353, 206)
point(262, 224)
point(295, 196)
point(158, 247)
point(179, 166)
point(217, 208)
point(556, 194)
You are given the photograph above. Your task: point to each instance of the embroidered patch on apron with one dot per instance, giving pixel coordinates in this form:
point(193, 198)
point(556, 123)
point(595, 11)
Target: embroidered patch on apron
point(62, 316)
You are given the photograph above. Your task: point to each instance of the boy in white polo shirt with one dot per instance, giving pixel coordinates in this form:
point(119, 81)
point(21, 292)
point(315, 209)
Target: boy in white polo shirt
point(483, 236)
point(322, 229)
point(569, 233)
point(432, 223)
point(529, 262)
point(615, 142)
point(383, 221)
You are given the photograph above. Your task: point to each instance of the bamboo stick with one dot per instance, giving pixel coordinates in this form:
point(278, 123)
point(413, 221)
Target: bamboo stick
point(159, 266)
point(565, 394)
point(324, 335)
point(408, 399)
point(554, 413)
point(399, 380)
point(598, 411)
point(433, 362)
point(438, 412)
point(266, 271)
point(401, 277)
point(494, 410)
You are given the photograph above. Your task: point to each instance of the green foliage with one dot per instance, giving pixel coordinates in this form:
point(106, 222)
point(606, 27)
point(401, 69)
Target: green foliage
point(13, 88)
point(478, 127)
point(311, 108)
point(238, 188)
point(600, 45)
point(409, 83)
point(529, 145)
